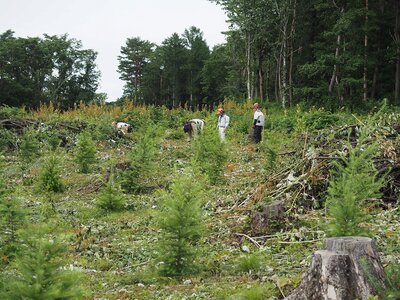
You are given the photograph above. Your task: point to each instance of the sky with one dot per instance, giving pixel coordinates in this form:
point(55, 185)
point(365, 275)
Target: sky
point(105, 25)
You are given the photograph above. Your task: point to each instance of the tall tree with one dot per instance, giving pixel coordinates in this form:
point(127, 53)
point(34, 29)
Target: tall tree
point(396, 40)
point(24, 67)
point(132, 61)
point(215, 75)
point(198, 54)
point(55, 68)
point(241, 16)
point(175, 57)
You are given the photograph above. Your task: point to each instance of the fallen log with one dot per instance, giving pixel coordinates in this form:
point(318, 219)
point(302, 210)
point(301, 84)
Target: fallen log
point(349, 268)
point(18, 125)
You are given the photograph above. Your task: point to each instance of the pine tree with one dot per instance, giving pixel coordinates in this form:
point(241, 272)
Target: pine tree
point(49, 176)
point(40, 269)
point(354, 182)
point(12, 218)
point(29, 147)
point(180, 221)
point(85, 151)
point(110, 197)
point(142, 157)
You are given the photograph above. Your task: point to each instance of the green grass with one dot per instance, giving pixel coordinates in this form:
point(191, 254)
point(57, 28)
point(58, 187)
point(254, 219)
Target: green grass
point(117, 250)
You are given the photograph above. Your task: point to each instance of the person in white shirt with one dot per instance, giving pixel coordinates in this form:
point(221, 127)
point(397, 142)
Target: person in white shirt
point(122, 127)
point(223, 122)
point(258, 123)
point(193, 128)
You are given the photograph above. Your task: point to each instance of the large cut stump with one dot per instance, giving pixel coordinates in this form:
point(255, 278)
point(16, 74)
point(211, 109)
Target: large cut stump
point(349, 268)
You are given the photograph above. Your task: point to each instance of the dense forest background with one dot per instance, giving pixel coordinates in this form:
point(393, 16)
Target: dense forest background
point(328, 53)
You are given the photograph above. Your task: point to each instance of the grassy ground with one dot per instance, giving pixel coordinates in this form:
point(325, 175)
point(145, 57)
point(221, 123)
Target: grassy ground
point(117, 251)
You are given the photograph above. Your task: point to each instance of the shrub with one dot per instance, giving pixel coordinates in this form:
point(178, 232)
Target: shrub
point(102, 130)
point(281, 123)
point(249, 263)
point(271, 156)
point(180, 221)
point(256, 292)
point(7, 112)
point(319, 120)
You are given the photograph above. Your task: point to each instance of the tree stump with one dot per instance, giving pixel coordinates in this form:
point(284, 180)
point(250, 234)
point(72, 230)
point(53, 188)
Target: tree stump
point(349, 268)
point(268, 219)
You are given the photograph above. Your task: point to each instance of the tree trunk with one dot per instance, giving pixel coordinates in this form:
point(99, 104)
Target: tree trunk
point(248, 71)
point(365, 86)
point(397, 43)
point(374, 79)
point(334, 73)
point(284, 64)
point(348, 269)
point(277, 78)
point(261, 81)
point(292, 34)
point(284, 72)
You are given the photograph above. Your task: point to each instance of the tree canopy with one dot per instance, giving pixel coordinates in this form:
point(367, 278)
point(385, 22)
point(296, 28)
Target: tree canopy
point(53, 69)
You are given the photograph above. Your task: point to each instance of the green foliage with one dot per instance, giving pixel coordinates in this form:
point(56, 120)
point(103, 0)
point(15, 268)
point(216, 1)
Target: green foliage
point(271, 156)
point(12, 218)
point(110, 198)
point(3, 185)
point(143, 157)
point(85, 154)
point(29, 147)
point(354, 182)
point(210, 155)
point(39, 268)
point(249, 263)
point(215, 74)
point(392, 291)
point(319, 120)
point(102, 130)
point(7, 139)
point(180, 221)
point(112, 243)
point(177, 134)
point(134, 57)
point(49, 177)
point(39, 70)
point(285, 124)
point(255, 292)
point(7, 112)
point(53, 142)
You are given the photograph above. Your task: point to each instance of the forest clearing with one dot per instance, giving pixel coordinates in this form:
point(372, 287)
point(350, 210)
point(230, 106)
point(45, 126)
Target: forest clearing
point(88, 213)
